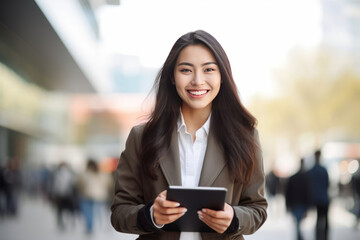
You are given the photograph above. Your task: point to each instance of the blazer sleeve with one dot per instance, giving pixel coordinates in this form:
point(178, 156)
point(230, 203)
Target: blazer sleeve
point(128, 199)
point(251, 210)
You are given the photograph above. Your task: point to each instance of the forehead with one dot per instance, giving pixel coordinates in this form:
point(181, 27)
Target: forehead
point(196, 54)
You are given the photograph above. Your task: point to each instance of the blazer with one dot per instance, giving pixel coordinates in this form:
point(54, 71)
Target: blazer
point(135, 192)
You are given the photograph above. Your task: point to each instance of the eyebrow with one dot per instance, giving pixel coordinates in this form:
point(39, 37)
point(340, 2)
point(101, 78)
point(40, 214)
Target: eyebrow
point(190, 64)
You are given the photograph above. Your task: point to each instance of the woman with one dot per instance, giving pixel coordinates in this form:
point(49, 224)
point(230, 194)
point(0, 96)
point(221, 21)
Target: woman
point(199, 134)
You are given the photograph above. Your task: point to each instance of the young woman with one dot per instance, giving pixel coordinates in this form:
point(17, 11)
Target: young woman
point(199, 134)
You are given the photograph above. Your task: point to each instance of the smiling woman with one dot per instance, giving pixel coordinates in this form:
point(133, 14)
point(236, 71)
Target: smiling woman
point(199, 134)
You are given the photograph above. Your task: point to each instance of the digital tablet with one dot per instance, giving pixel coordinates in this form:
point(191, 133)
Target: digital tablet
point(194, 199)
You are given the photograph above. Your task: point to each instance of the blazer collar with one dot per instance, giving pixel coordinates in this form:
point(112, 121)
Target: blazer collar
point(170, 164)
point(213, 164)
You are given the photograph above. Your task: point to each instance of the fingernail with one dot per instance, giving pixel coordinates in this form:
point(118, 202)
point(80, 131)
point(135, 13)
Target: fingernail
point(204, 210)
point(199, 213)
point(184, 210)
point(177, 204)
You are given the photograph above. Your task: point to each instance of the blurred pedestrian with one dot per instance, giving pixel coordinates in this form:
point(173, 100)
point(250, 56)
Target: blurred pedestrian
point(199, 134)
point(272, 183)
point(45, 176)
point(273, 186)
point(319, 182)
point(95, 189)
point(64, 193)
point(11, 184)
point(298, 197)
point(2, 192)
point(355, 186)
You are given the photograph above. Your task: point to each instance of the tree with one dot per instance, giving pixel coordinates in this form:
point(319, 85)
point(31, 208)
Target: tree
point(318, 93)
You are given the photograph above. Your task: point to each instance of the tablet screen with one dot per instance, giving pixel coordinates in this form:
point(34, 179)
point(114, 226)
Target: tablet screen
point(194, 199)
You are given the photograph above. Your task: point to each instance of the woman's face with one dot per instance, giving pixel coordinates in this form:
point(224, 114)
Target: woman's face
point(197, 77)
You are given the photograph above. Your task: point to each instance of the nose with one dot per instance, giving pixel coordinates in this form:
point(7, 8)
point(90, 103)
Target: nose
point(198, 78)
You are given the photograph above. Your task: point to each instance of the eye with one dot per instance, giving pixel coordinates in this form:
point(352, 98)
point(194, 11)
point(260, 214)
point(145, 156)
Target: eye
point(185, 70)
point(209, 69)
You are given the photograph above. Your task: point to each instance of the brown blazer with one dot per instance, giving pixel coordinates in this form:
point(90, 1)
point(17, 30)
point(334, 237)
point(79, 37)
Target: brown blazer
point(133, 190)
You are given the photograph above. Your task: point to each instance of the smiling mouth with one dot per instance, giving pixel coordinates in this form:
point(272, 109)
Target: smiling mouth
point(197, 92)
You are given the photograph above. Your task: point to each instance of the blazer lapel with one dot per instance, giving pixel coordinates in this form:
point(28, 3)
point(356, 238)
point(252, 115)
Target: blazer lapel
point(213, 164)
point(170, 164)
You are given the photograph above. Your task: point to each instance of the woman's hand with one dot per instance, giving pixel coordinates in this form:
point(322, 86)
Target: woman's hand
point(165, 211)
point(217, 220)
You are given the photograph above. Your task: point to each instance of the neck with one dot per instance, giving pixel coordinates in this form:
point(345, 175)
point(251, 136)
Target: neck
point(195, 118)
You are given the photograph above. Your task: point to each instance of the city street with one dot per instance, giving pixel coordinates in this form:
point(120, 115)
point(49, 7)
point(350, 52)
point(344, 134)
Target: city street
point(36, 220)
point(92, 93)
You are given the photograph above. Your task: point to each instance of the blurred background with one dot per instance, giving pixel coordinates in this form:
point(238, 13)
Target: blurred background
point(75, 76)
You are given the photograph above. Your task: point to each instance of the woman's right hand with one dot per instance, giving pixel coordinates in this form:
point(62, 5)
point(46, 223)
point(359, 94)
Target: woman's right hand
point(165, 211)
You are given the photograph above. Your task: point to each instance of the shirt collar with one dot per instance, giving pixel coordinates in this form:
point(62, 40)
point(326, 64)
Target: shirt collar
point(181, 124)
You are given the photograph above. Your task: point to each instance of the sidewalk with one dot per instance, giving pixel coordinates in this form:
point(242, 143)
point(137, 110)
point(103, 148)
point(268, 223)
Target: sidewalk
point(280, 224)
point(36, 220)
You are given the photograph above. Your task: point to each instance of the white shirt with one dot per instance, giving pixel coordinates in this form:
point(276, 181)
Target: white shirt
point(191, 152)
point(192, 155)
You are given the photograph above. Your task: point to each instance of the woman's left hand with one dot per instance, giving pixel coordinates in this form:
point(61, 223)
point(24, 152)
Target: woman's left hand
point(217, 220)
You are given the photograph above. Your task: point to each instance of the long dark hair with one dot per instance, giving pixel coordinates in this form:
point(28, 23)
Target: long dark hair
point(232, 125)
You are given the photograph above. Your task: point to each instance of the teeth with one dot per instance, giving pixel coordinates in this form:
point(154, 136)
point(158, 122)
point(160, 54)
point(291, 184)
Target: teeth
point(198, 93)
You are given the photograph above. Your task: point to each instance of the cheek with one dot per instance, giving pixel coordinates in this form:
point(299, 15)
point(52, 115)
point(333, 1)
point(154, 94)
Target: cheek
point(180, 82)
point(178, 90)
point(217, 90)
point(216, 83)
point(179, 87)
